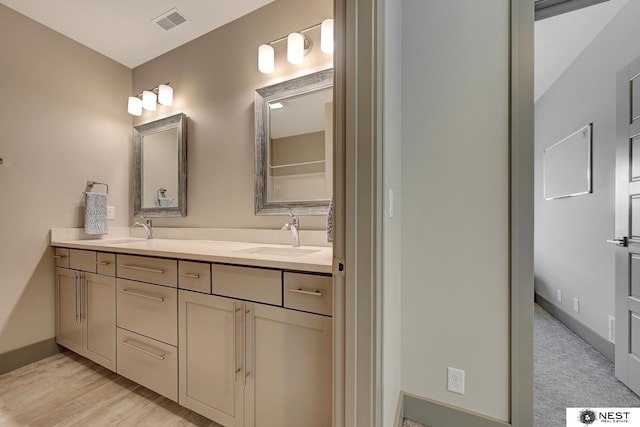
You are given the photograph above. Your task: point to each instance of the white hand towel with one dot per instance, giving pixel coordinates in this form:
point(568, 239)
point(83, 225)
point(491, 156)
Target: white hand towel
point(95, 214)
point(165, 202)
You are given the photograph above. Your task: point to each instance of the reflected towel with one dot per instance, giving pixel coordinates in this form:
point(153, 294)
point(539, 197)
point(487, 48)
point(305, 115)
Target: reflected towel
point(95, 214)
point(165, 202)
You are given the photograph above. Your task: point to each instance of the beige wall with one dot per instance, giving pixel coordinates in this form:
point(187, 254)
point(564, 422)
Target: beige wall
point(455, 201)
point(64, 121)
point(214, 78)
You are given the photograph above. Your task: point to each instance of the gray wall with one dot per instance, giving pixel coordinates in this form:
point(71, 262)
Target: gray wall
point(214, 78)
point(64, 121)
point(455, 201)
point(570, 249)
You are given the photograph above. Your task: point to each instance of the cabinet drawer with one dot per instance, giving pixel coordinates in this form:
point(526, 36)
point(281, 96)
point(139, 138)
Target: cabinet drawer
point(82, 260)
point(62, 257)
point(254, 284)
point(148, 362)
point(153, 270)
point(194, 276)
point(106, 263)
point(308, 292)
point(149, 310)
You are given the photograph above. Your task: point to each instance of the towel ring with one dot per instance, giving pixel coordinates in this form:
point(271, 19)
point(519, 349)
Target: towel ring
point(90, 185)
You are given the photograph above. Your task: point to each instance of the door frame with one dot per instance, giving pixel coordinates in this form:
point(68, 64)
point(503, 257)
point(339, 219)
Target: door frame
point(358, 212)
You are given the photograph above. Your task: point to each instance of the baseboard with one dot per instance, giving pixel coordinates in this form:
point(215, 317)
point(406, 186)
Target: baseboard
point(20, 357)
point(438, 414)
point(591, 337)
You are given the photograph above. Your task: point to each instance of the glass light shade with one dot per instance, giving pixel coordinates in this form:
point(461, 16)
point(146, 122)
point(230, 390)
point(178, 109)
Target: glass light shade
point(326, 36)
point(265, 59)
point(135, 106)
point(295, 48)
point(165, 95)
point(149, 100)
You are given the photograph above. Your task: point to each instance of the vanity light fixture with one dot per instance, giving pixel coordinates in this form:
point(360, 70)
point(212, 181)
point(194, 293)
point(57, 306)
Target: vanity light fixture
point(276, 105)
point(148, 99)
point(298, 45)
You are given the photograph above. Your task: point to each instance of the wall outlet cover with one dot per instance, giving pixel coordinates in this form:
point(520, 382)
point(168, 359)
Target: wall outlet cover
point(111, 212)
point(559, 295)
point(455, 380)
point(576, 305)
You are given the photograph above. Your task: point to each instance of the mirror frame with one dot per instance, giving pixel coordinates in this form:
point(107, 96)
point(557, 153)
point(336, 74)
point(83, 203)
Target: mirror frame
point(179, 122)
point(263, 96)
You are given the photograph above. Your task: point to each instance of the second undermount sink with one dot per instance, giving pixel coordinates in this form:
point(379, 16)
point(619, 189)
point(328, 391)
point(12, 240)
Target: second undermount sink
point(268, 250)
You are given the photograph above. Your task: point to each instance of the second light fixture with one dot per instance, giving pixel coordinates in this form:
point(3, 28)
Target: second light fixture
point(298, 45)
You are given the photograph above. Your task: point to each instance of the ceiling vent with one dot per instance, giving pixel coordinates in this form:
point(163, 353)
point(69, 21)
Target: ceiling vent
point(170, 19)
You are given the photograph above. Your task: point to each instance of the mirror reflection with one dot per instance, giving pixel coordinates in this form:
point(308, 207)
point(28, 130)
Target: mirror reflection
point(160, 167)
point(294, 146)
point(301, 147)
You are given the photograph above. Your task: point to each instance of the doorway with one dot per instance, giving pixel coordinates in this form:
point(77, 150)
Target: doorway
point(576, 87)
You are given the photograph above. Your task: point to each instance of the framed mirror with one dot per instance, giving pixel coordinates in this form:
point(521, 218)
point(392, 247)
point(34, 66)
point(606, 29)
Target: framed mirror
point(294, 146)
point(160, 167)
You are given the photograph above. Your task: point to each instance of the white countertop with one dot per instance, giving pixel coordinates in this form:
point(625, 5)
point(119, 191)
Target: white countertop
point(317, 259)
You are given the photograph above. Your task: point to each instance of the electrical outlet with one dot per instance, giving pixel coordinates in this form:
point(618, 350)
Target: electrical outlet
point(612, 329)
point(455, 380)
point(111, 212)
point(559, 295)
point(576, 305)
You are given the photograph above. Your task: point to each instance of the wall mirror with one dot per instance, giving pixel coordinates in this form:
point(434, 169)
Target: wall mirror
point(294, 146)
point(160, 167)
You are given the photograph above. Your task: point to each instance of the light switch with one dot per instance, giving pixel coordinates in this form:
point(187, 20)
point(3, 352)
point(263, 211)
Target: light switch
point(390, 201)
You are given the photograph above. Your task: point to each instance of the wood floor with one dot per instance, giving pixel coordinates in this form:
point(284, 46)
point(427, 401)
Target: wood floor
point(69, 390)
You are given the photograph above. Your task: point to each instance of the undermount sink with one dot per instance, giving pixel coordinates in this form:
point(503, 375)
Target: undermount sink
point(267, 250)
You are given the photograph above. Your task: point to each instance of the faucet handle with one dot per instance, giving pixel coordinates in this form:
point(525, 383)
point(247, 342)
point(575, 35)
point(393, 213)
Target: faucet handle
point(146, 220)
point(294, 219)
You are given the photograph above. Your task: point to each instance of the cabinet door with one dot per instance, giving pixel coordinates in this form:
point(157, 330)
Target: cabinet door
point(211, 356)
point(68, 324)
point(290, 368)
point(99, 319)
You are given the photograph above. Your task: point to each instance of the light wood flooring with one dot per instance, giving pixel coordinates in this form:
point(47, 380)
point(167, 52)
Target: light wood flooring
point(69, 390)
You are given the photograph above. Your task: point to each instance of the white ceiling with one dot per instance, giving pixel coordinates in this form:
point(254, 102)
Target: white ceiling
point(124, 29)
point(559, 40)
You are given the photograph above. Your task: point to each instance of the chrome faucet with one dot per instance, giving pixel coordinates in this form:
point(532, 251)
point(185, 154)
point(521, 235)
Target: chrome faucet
point(294, 226)
point(146, 225)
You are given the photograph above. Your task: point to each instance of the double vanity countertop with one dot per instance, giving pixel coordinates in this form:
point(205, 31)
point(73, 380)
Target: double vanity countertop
point(314, 259)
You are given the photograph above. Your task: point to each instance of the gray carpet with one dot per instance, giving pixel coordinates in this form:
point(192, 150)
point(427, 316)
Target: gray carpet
point(569, 373)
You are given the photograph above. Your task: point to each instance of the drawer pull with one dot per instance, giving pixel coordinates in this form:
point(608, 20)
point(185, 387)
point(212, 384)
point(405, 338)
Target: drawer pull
point(190, 276)
point(302, 291)
point(59, 256)
point(142, 350)
point(102, 263)
point(135, 267)
point(137, 294)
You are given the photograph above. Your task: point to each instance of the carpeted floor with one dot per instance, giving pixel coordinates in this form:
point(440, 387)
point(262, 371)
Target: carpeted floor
point(568, 373)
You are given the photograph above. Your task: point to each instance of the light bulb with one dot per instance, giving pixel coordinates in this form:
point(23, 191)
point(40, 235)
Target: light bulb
point(135, 106)
point(265, 59)
point(295, 48)
point(165, 95)
point(149, 100)
point(326, 36)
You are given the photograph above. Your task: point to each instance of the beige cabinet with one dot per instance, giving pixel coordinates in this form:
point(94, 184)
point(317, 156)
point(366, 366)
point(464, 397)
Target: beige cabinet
point(290, 361)
point(251, 364)
point(86, 314)
point(212, 356)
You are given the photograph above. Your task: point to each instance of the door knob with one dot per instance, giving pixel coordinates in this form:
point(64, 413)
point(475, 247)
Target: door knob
point(619, 241)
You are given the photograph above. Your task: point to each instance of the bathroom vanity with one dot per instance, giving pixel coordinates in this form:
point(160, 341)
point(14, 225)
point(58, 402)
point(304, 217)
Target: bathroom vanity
point(238, 332)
